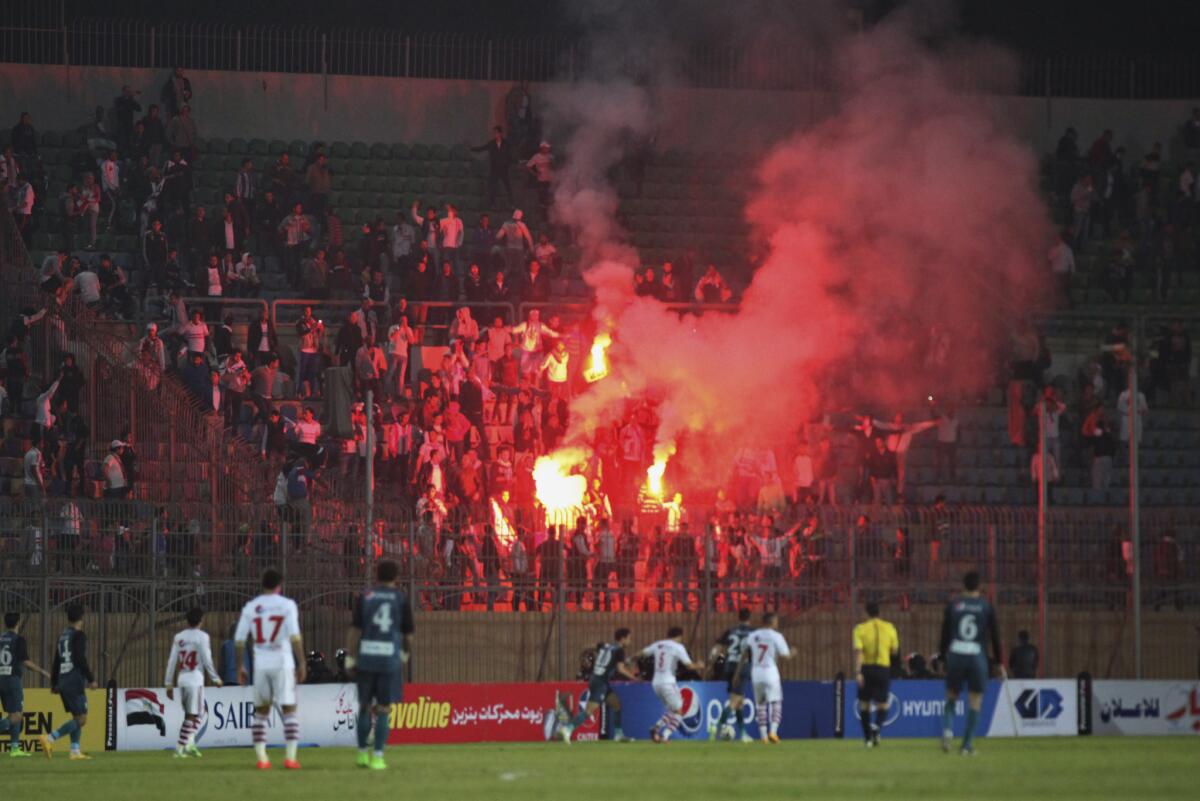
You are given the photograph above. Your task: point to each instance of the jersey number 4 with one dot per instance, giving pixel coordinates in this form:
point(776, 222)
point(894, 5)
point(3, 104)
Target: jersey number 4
point(274, 620)
point(383, 618)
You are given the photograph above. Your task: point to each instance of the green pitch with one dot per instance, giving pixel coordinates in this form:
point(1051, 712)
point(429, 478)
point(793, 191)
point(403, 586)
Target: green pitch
point(1076, 768)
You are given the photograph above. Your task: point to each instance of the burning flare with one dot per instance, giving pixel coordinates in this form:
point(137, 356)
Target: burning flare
point(599, 366)
point(654, 473)
point(557, 488)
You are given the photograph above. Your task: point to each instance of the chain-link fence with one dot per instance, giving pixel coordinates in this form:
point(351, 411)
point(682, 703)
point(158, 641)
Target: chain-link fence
point(510, 602)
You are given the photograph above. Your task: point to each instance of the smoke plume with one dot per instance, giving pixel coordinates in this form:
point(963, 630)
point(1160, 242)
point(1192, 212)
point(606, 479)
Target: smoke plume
point(902, 234)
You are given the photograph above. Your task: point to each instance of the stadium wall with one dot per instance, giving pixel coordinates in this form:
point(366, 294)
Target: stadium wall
point(355, 108)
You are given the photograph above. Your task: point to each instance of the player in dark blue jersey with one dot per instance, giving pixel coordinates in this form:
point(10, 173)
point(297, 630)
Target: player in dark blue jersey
point(380, 642)
point(14, 658)
point(732, 644)
point(968, 624)
point(70, 677)
point(610, 662)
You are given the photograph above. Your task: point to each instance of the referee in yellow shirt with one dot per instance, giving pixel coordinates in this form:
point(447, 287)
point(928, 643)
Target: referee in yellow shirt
point(876, 644)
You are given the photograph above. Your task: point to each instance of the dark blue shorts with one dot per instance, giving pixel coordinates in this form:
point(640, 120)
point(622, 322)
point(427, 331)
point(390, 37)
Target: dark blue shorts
point(12, 696)
point(598, 689)
point(382, 689)
point(969, 670)
point(74, 700)
point(739, 685)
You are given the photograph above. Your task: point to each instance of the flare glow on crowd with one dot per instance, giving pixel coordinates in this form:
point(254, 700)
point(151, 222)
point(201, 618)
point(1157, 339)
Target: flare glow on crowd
point(900, 236)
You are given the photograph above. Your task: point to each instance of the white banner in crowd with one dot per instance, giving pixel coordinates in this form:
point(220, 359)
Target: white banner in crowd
point(147, 720)
point(1146, 707)
point(1031, 708)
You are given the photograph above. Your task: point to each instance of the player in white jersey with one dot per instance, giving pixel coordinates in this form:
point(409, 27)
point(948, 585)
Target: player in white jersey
point(191, 658)
point(763, 647)
point(272, 622)
point(668, 655)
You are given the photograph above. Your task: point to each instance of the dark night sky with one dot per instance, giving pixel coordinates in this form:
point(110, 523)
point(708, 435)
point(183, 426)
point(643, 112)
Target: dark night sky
point(1042, 26)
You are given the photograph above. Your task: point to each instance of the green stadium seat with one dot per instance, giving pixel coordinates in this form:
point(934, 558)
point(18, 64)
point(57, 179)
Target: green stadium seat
point(348, 199)
point(354, 182)
point(420, 152)
point(50, 139)
point(339, 149)
point(360, 150)
point(401, 151)
point(374, 182)
point(397, 167)
point(277, 147)
point(298, 148)
point(380, 151)
point(238, 146)
point(458, 169)
point(438, 168)
point(72, 139)
point(257, 147)
point(439, 152)
point(218, 145)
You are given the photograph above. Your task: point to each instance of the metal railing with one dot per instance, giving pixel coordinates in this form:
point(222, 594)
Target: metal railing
point(139, 567)
point(55, 39)
point(166, 422)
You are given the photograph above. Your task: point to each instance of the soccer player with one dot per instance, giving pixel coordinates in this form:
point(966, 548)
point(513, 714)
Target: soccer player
point(610, 661)
point(763, 647)
point(967, 625)
point(191, 658)
point(381, 631)
point(70, 677)
point(737, 679)
point(876, 644)
point(668, 655)
point(14, 658)
point(274, 623)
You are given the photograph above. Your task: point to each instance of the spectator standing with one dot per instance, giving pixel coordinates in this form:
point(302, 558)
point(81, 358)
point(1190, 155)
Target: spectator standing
point(297, 232)
point(1124, 414)
point(176, 92)
point(1023, 658)
point(516, 241)
point(541, 168)
point(34, 471)
point(452, 234)
point(182, 133)
point(945, 454)
point(401, 240)
point(116, 482)
point(319, 179)
point(499, 159)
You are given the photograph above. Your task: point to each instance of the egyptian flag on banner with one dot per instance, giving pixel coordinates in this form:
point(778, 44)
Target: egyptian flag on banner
point(142, 708)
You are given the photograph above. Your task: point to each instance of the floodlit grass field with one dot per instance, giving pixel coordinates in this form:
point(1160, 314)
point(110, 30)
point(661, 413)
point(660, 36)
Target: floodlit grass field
point(1083, 768)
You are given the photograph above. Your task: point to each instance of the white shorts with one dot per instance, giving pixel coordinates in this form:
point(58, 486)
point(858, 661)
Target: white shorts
point(768, 691)
point(192, 700)
point(274, 687)
point(669, 695)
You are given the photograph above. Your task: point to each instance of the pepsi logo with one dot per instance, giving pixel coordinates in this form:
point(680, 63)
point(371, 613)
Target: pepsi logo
point(692, 710)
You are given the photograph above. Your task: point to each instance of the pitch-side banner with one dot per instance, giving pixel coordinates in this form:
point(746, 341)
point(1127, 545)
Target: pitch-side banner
point(808, 709)
point(1146, 707)
point(147, 720)
point(1025, 709)
point(44, 713)
point(475, 713)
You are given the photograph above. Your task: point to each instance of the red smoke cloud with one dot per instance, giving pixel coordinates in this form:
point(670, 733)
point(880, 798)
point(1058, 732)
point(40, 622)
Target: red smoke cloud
point(902, 234)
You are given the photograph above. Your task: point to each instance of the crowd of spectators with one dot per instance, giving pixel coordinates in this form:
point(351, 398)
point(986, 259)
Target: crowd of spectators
point(456, 437)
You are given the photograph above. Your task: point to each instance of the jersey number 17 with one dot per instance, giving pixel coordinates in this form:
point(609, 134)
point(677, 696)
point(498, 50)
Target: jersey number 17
point(273, 620)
